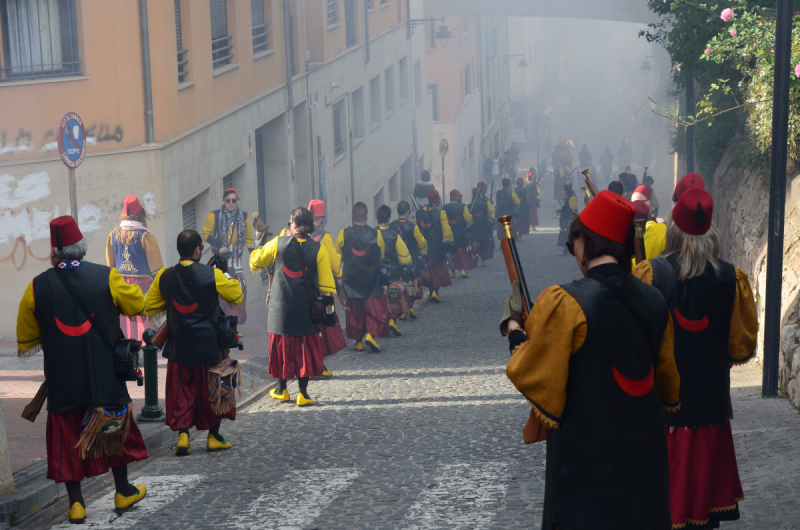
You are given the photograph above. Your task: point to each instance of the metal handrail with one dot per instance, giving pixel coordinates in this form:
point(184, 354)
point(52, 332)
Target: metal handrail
point(217, 58)
point(182, 72)
point(68, 68)
point(260, 41)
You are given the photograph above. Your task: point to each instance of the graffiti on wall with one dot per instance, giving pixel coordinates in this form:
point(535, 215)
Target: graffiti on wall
point(22, 140)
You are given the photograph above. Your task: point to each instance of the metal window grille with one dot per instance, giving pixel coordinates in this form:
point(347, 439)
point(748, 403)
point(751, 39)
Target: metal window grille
point(332, 14)
point(350, 22)
point(375, 97)
point(182, 60)
point(227, 182)
point(221, 46)
point(39, 39)
point(338, 128)
point(189, 216)
point(260, 25)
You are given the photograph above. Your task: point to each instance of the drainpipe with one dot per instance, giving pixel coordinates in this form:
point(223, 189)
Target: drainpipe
point(309, 109)
point(148, 84)
point(350, 149)
point(366, 31)
point(287, 32)
point(415, 169)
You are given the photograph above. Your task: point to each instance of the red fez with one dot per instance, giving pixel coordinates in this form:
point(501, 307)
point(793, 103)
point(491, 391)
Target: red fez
point(693, 211)
point(642, 210)
point(481, 184)
point(317, 208)
point(433, 196)
point(609, 215)
point(64, 232)
point(454, 194)
point(689, 181)
point(230, 189)
point(641, 193)
point(474, 191)
point(131, 205)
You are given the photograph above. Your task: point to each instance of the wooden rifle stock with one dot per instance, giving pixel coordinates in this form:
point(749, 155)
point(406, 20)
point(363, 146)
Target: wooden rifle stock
point(514, 265)
point(638, 242)
point(33, 408)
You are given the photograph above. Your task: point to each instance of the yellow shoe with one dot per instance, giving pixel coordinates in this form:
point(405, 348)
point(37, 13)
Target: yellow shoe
point(123, 503)
point(302, 401)
point(182, 449)
point(464, 274)
point(434, 297)
point(373, 345)
point(404, 316)
point(283, 397)
point(394, 329)
point(412, 314)
point(533, 229)
point(213, 444)
point(326, 372)
point(77, 514)
point(452, 274)
point(483, 263)
point(359, 346)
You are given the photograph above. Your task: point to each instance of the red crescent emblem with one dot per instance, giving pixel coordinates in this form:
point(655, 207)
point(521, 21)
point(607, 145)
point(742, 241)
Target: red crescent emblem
point(185, 309)
point(692, 326)
point(633, 388)
point(359, 253)
point(317, 238)
point(453, 222)
point(425, 225)
point(291, 273)
point(73, 331)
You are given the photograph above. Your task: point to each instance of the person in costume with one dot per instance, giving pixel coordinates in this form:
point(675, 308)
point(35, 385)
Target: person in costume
point(434, 225)
point(362, 249)
point(655, 234)
point(654, 206)
point(507, 204)
point(688, 182)
point(133, 250)
point(189, 295)
point(396, 260)
point(585, 157)
point(332, 336)
point(606, 163)
point(417, 249)
point(716, 326)
point(229, 231)
point(460, 221)
point(568, 212)
point(599, 394)
point(523, 211)
point(533, 193)
point(81, 383)
point(482, 213)
point(423, 185)
point(302, 267)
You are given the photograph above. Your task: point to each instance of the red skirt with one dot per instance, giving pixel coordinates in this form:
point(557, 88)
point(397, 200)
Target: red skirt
point(186, 396)
point(291, 357)
point(367, 315)
point(704, 477)
point(462, 259)
point(64, 463)
point(440, 276)
point(333, 339)
point(486, 249)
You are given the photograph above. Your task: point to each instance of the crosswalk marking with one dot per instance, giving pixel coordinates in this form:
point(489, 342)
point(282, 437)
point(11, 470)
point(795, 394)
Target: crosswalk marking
point(296, 501)
point(161, 490)
point(461, 497)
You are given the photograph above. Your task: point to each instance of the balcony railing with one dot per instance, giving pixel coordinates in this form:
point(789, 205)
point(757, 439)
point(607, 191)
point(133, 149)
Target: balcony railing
point(260, 36)
point(221, 53)
point(182, 62)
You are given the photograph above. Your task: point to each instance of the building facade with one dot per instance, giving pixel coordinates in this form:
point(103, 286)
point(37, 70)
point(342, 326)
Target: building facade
point(495, 84)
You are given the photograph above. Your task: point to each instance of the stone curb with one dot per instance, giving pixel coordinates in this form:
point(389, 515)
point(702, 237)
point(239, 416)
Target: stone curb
point(35, 491)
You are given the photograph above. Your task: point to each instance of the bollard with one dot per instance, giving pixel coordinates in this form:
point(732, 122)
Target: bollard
point(151, 411)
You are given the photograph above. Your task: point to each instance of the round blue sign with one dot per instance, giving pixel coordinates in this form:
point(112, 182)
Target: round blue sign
point(71, 140)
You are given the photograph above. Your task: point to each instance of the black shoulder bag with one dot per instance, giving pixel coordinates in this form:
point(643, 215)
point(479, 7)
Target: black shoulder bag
point(319, 307)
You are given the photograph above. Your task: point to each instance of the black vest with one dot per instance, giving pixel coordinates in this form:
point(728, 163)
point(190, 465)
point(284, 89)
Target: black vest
point(505, 203)
point(566, 215)
point(289, 301)
point(78, 368)
point(318, 235)
point(524, 205)
point(481, 222)
point(390, 245)
point(192, 312)
point(701, 311)
point(608, 464)
point(405, 229)
point(455, 216)
point(430, 224)
point(361, 259)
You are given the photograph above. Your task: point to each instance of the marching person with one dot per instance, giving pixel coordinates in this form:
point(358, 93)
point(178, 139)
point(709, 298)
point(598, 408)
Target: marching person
point(417, 249)
point(654, 206)
point(606, 163)
point(362, 249)
point(655, 234)
point(523, 210)
point(482, 213)
point(332, 336)
point(229, 231)
point(133, 250)
point(599, 394)
point(189, 293)
point(302, 268)
point(717, 326)
point(533, 193)
point(585, 157)
point(71, 313)
point(688, 182)
point(423, 185)
point(435, 227)
point(568, 212)
point(616, 186)
point(507, 203)
point(460, 220)
point(396, 258)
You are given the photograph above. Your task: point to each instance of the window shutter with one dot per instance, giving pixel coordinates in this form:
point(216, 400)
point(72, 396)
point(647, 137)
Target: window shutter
point(227, 182)
point(257, 10)
point(219, 19)
point(189, 216)
point(178, 24)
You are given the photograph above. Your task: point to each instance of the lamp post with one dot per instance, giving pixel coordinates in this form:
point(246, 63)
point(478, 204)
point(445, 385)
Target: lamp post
point(646, 68)
point(522, 62)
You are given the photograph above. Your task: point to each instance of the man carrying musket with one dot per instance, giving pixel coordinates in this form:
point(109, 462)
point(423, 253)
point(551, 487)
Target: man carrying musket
point(84, 395)
point(482, 224)
point(460, 220)
point(417, 249)
point(434, 225)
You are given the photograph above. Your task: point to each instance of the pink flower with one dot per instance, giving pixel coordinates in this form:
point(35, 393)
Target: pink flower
point(708, 51)
point(772, 51)
point(797, 70)
point(727, 14)
point(733, 33)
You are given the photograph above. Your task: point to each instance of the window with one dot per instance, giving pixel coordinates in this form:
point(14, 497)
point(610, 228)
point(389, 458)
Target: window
point(467, 76)
point(221, 46)
point(333, 16)
point(182, 60)
point(260, 26)
point(384, 3)
point(350, 22)
point(189, 215)
point(394, 187)
point(40, 39)
point(358, 113)
point(375, 96)
point(370, 7)
point(403, 79)
point(432, 33)
point(417, 83)
point(339, 128)
point(434, 90)
point(378, 202)
point(227, 182)
point(390, 89)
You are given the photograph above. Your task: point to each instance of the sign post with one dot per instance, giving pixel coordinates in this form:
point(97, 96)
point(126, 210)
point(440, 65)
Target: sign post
point(444, 146)
point(72, 148)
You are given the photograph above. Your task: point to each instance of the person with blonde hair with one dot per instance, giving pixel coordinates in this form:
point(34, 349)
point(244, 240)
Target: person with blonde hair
point(716, 327)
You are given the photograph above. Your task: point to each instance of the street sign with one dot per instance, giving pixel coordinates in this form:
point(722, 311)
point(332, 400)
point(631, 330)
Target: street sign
point(71, 140)
point(444, 146)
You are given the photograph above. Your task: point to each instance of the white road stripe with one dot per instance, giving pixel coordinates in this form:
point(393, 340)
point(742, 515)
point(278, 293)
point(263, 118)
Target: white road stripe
point(161, 490)
point(296, 501)
point(461, 497)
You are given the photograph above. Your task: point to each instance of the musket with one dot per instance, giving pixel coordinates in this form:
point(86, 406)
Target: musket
point(491, 193)
point(414, 202)
point(589, 188)
point(514, 265)
point(638, 242)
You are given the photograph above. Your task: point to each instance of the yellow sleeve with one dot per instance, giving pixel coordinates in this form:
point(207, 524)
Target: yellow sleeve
point(265, 256)
point(150, 246)
point(422, 244)
point(248, 232)
point(556, 329)
point(111, 258)
point(229, 289)
point(154, 302)
point(381, 244)
point(324, 273)
point(573, 203)
point(743, 337)
point(208, 226)
point(447, 232)
point(655, 240)
point(339, 243)
point(28, 334)
point(127, 296)
point(515, 198)
point(403, 255)
point(491, 208)
point(333, 256)
point(467, 215)
point(667, 378)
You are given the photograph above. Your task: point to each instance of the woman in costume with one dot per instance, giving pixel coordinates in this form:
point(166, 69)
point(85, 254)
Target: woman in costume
point(716, 327)
point(534, 192)
point(133, 250)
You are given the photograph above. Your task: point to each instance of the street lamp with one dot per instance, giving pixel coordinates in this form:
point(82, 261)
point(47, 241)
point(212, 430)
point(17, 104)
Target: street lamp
point(443, 33)
point(522, 62)
point(646, 68)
